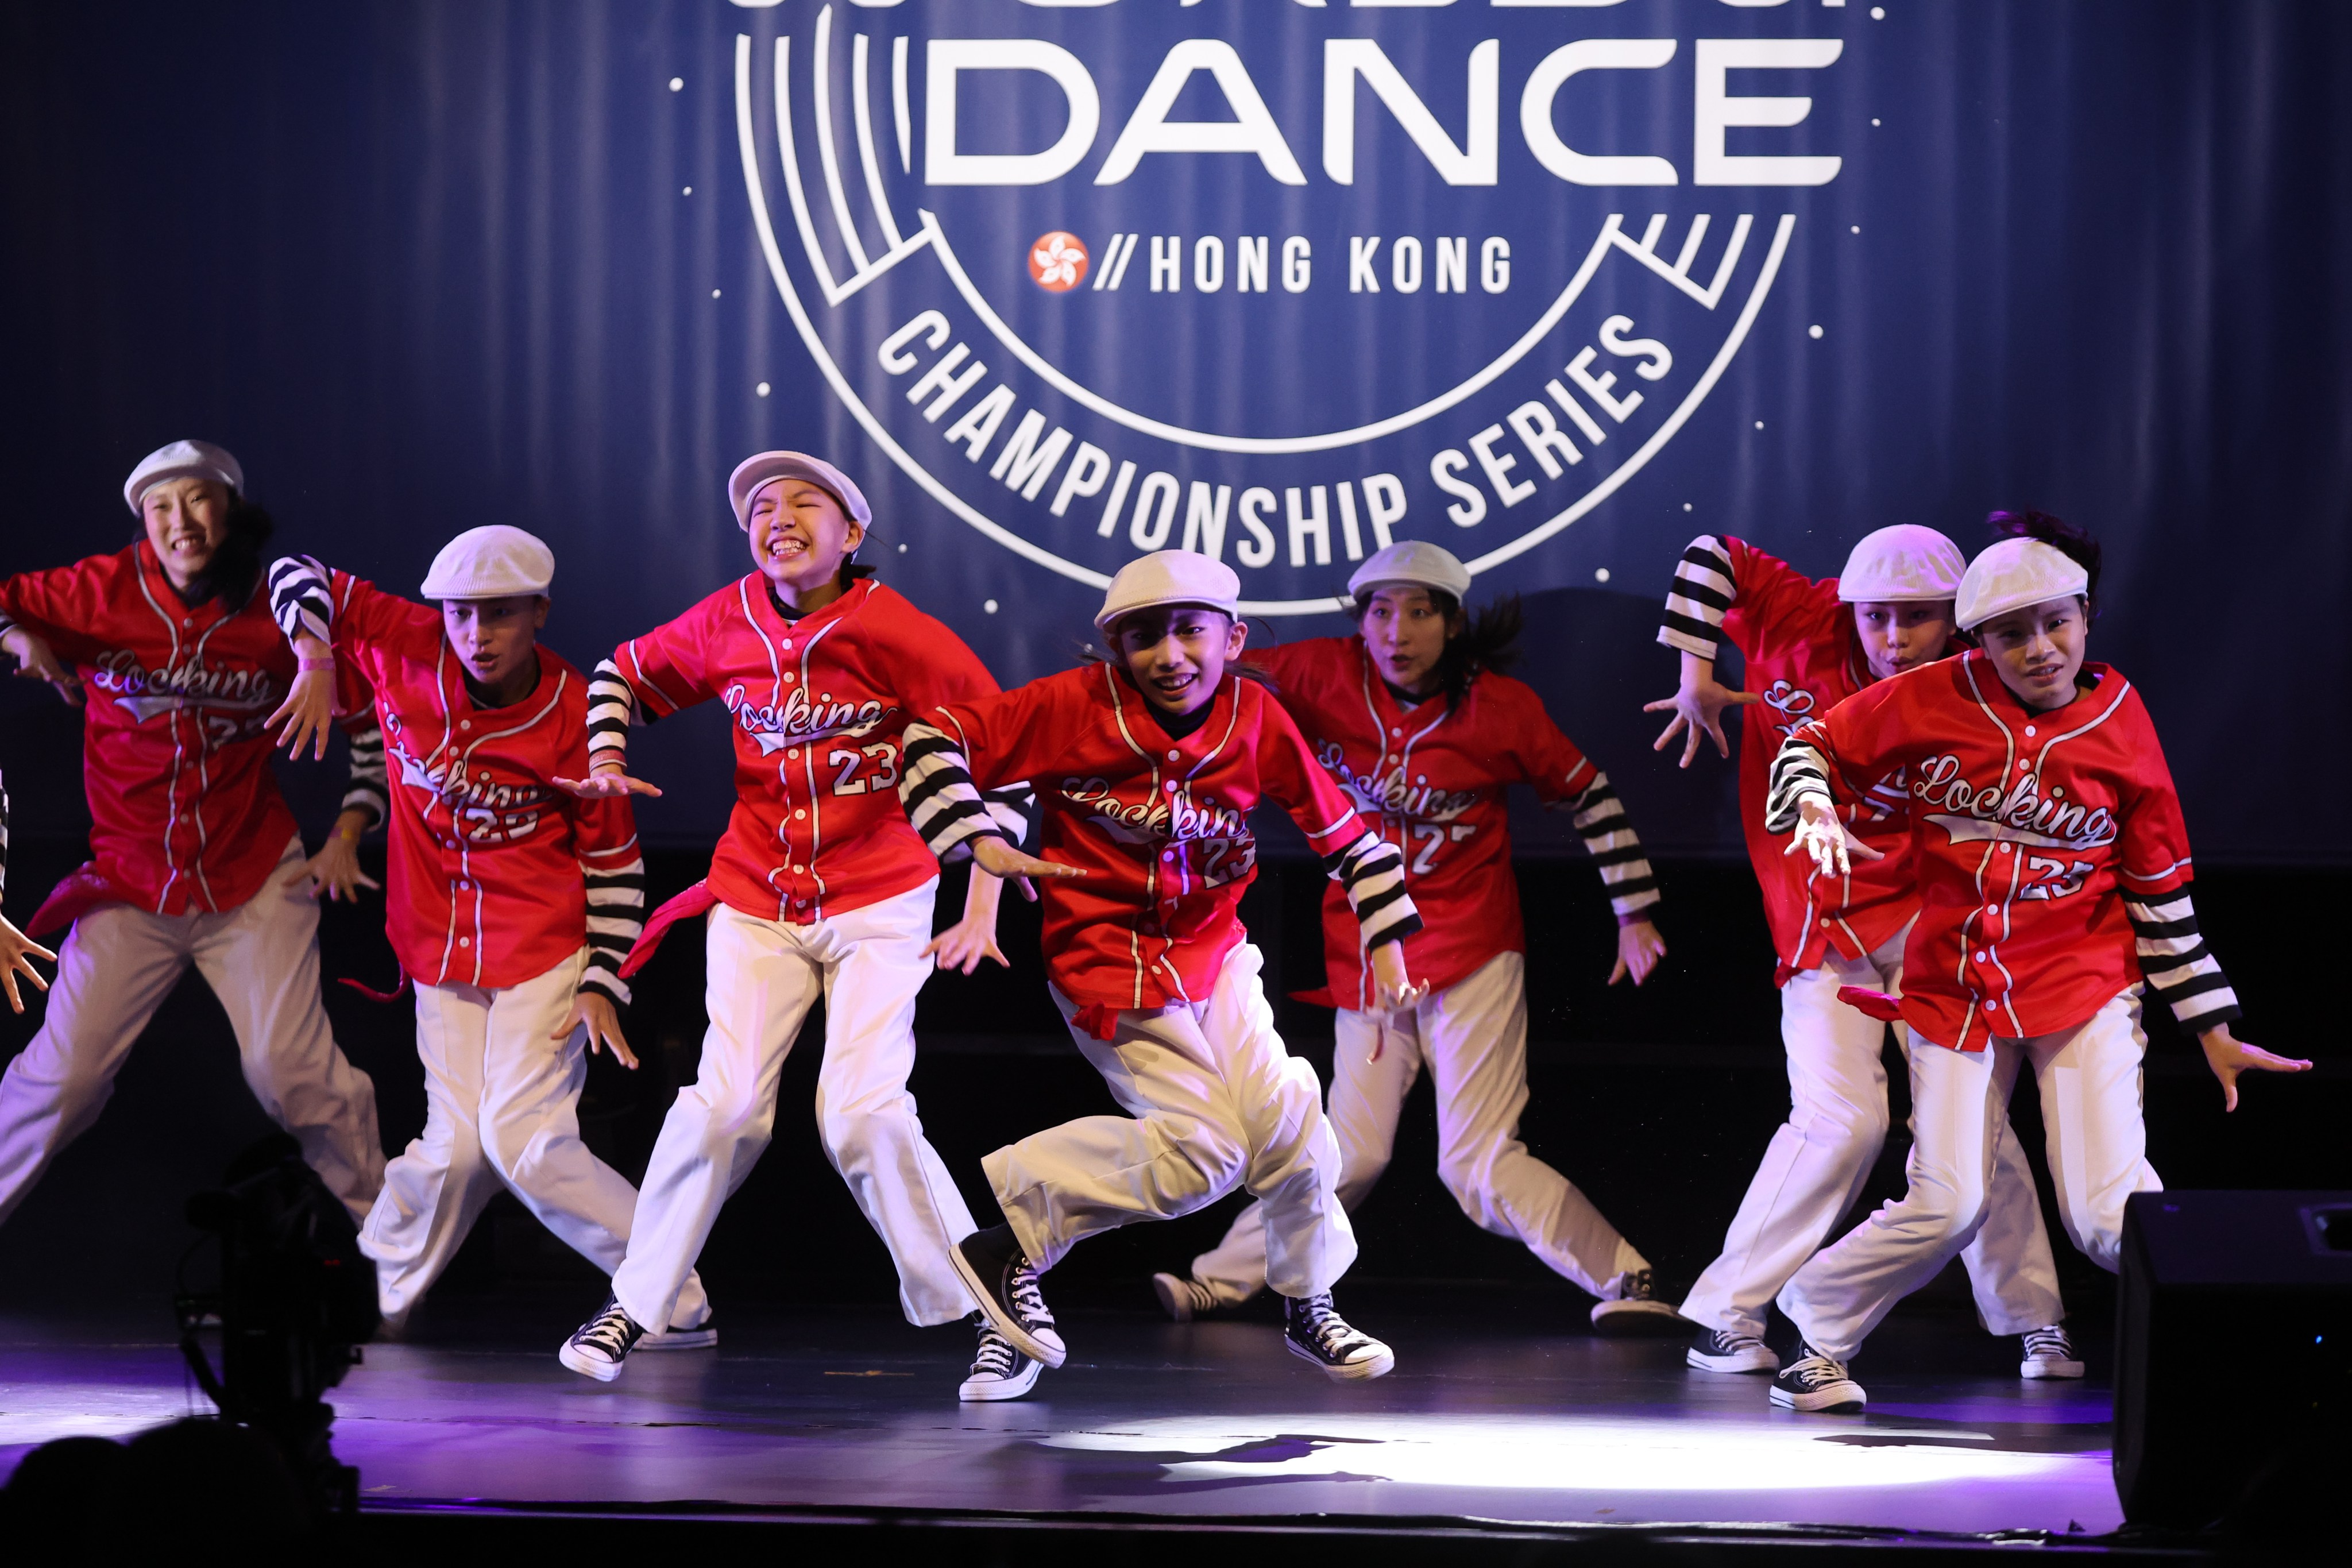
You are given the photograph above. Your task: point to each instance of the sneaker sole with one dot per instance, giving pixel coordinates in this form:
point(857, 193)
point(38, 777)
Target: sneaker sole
point(589, 1366)
point(1173, 1298)
point(680, 1339)
point(1051, 1353)
point(1379, 1365)
point(1748, 1362)
point(1639, 1320)
point(987, 1391)
point(1846, 1399)
point(2035, 1371)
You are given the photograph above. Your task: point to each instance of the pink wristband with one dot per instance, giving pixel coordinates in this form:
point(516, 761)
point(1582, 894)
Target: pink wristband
point(319, 661)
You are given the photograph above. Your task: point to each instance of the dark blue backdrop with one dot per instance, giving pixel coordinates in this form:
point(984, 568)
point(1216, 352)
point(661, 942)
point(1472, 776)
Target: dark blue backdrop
point(426, 266)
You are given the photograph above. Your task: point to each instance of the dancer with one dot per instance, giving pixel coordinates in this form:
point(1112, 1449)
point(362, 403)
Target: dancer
point(1417, 724)
point(193, 856)
point(1807, 646)
point(2053, 871)
point(1154, 761)
point(17, 950)
point(513, 902)
point(820, 887)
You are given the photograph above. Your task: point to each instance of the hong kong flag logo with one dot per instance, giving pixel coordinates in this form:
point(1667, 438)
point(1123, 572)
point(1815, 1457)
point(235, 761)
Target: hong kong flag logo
point(1058, 261)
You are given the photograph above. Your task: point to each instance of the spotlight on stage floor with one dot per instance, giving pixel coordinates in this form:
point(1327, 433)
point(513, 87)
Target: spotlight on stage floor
point(296, 1301)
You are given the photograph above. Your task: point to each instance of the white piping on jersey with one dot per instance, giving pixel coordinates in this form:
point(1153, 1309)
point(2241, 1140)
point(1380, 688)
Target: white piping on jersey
point(639, 663)
point(1151, 863)
point(808, 758)
point(464, 850)
point(170, 822)
point(204, 779)
point(2157, 876)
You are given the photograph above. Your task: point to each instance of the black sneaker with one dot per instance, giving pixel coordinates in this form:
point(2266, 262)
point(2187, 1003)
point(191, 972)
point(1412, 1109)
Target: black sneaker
point(1000, 1371)
point(1815, 1383)
point(1713, 1351)
point(1001, 1280)
point(602, 1343)
point(2049, 1353)
point(1318, 1333)
point(1635, 1311)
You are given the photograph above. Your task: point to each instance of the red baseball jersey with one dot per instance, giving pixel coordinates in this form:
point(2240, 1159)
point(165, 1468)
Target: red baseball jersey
point(819, 704)
point(2047, 848)
point(185, 815)
point(1434, 779)
point(1162, 823)
point(496, 876)
point(1803, 658)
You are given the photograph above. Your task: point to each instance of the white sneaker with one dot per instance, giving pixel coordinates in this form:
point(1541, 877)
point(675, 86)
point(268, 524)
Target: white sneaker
point(1635, 1311)
point(1815, 1383)
point(1000, 1371)
point(702, 1337)
point(2049, 1353)
point(1182, 1299)
point(1712, 1349)
point(1317, 1333)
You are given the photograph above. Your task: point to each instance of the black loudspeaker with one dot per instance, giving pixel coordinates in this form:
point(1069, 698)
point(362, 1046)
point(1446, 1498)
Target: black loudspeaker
point(2234, 1358)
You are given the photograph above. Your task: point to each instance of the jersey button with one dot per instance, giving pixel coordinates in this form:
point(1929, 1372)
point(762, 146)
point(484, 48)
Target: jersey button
point(1990, 1006)
point(1171, 786)
point(1169, 854)
point(2029, 731)
point(798, 812)
point(1175, 756)
point(465, 942)
point(787, 678)
point(1980, 958)
point(800, 870)
point(791, 750)
point(465, 723)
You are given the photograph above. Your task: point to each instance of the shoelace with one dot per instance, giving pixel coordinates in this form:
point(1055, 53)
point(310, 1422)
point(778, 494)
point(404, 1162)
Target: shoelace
point(996, 1355)
point(2050, 1343)
point(609, 1332)
point(1329, 1330)
point(1637, 1286)
point(1817, 1369)
point(1027, 1300)
point(1732, 1344)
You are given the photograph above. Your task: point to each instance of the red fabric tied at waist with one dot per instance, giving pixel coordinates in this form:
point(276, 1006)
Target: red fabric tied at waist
point(373, 994)
point(1099, 1019)
point(1871, 1004)
point(699, 899)
point(85, 889)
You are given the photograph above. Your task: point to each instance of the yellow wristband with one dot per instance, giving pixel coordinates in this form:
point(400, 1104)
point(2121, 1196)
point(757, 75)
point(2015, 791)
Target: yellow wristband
point(351, 835)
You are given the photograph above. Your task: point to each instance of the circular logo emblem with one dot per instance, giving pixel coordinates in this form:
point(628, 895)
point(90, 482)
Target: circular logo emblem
point(1058, 261)
point(1461, 280)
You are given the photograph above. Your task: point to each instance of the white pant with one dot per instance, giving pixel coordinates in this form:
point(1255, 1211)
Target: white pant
point(1473, 1036)
point(763, 977)
point(1213, 1102)
point(261, 958)
point(1820, 1158)
point(503, 1100)
point(2090, 1082)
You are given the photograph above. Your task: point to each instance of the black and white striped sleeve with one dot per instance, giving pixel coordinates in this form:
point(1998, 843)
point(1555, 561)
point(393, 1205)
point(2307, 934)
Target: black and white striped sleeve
point(616, 917)
point(612, 708)
point(301, 598)
point(1799, 771)
point(1607, 833)
point(1010, 809)
point(370, 787)
point(1703, 592)
point(1372, 872)
point(945, 806)
point(2176, 962)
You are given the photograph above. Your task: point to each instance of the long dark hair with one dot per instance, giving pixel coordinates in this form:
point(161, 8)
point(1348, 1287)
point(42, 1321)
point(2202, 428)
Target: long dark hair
point(1488, 641)
point(235, 569)
point(2062, 536)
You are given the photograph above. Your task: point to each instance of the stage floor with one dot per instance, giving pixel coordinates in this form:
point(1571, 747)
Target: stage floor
point(1488, 1416)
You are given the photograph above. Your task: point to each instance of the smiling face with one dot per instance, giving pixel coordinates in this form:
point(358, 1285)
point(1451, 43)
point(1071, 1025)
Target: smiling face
point(1405, 631)
point(799, 537)
point(1177, 654)
point(186, 522)
point(495, 638)
point(2039, 650)
point(1900, 636)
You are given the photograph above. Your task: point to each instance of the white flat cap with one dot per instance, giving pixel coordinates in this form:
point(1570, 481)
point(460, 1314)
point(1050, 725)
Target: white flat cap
point(1416, 562)
point(182, 460)
point(2014, 574)
point(1170, 578)
point(765, 467)
point(493, 562)
point(1903, 565)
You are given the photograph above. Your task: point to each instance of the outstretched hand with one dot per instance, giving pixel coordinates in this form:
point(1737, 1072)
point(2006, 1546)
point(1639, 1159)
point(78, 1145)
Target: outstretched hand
point(963, 945)
point(2228, 1056)
point(36, 660)
point(17, 952)
point(1697, 709)
point(335, 871)
point(1823, 836)
point(999, 859)
point(308, 710)
point(605, 784)
point(1639, 948)
point(594, 1010)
